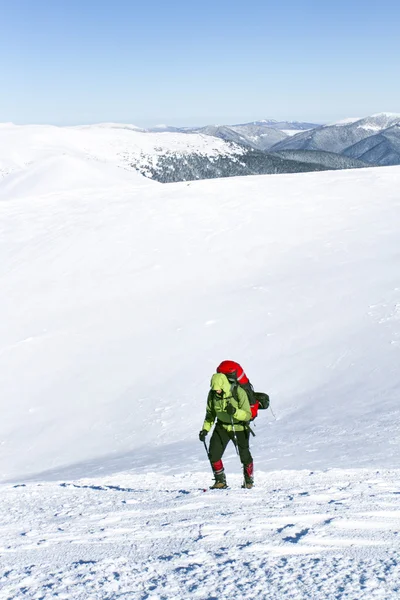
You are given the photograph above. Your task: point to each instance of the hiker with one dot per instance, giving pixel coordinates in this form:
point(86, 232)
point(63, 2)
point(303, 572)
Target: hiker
point(229, 405)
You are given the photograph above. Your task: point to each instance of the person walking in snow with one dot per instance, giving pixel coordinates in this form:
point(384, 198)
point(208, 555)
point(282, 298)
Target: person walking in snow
point(229, 405)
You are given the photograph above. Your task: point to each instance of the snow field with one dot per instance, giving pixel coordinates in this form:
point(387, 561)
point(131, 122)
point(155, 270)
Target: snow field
point(297, 534)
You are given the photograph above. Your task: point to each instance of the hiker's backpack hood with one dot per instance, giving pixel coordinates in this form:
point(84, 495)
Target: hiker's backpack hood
point(219, 381)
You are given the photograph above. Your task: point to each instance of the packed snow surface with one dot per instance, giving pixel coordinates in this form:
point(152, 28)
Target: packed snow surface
point(119, 299)
point(297, 535)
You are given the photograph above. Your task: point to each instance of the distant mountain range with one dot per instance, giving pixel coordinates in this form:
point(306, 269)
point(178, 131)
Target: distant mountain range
point(347, 144)
point(172, 154)
point(374, 140)
point(260, 135)
point(166, 156)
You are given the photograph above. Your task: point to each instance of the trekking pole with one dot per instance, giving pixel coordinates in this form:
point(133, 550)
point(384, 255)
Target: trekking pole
point(234, 436)
point(208, 456)
point(205, 446)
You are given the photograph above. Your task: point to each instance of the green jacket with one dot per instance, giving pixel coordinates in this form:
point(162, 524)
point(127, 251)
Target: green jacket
point(216, 406)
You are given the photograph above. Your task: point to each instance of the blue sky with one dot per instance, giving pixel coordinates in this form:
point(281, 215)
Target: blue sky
point(71, 62)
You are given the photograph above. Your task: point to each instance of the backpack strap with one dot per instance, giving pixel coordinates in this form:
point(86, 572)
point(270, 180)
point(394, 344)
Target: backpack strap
point(235, 393)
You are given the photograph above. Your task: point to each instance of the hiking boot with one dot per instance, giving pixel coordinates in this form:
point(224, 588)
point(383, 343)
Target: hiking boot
point(248, 476)
point(219, 485)
point(220, 481)
point(248, 485)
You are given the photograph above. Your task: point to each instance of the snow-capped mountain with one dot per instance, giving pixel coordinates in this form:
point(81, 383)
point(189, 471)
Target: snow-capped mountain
point(260, 135)
point(229, 134)
point(337, 137)
point(253, 136)
point(378, 122)
point(382, 148)
point(350, 137)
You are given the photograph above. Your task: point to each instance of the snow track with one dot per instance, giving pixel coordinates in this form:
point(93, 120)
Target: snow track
point(301, 535)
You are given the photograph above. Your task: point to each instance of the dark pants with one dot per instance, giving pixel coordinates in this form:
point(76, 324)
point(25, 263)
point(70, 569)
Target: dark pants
point(220, 439)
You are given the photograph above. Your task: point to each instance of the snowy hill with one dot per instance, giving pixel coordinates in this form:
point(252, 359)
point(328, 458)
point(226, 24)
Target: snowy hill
point(71, 171)
point(121, 145)
point(119, 298)
point(91, 281)
point(165, 157)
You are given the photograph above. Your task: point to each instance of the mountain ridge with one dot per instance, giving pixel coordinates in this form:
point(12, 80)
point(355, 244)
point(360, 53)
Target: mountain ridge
point(338, 137)
point(381, 149)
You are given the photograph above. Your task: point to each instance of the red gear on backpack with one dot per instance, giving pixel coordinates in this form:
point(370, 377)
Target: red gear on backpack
point(229, 367)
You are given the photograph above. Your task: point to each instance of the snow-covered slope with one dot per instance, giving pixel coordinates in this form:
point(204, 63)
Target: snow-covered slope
point(102, 289)
point(117, 304)
point(73, 171)
point(120, 145)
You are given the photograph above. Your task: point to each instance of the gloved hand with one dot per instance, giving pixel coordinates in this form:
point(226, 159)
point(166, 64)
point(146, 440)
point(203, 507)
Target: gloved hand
point(230, 409)
point(202, 435)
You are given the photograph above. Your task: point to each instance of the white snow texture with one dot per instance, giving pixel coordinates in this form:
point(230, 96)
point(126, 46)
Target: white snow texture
point(119, 297)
